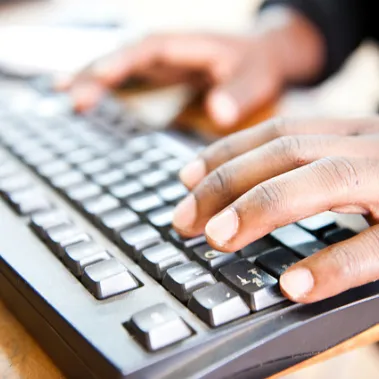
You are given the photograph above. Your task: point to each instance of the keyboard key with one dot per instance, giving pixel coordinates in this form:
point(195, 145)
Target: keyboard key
point(62, 235)
point(154, 155)
point(27, 201)
point(8, 168)
point(24, 148)
point(259, 289)
point(13, 137)
point(136, 167)
point(218, 304)
point(276, 261)
point(158, 259)
point(338, 235)
point(83, 191)
point(145, 202)
point(108, 110)
point(139, 144)
point(186, 243)
point(172, 166)
point(172, 192)
point(309, 248)
point(258, 247)
point(212, 259)
point(67, 179)
point(158, 326)
point(125, 189)
point(80, 156)
point(292, 235)
point(51, 169)
point(100, 204)
point(82, 254)
point(94, 166)
point(153, 178)
point(108, 178)
point(319, 223)
point(42, 220)
point(118, 219)
point(161, 217)
point(120, 156)
point(138, 238)
point(15, 182)
point(108, 278)
point(184, 279)
point(65, 146)
point(38, 157)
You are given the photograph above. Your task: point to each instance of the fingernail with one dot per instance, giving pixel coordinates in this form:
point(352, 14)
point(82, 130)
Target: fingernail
point(193, 173)
point(224, 109)
point(297, 283)
point(185, 213)
point(223, 227)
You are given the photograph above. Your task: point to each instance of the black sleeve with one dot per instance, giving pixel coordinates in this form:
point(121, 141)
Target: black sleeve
point(343, 24)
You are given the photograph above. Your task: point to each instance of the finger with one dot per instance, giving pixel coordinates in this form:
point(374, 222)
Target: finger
point(247, 90)
point(320, 186)
point(87, 95)
point(239, 143)
point(86, 92)
point(338, 268)
point(62, 82)
point(190, 51)
point(233, 179)
point(163, 75)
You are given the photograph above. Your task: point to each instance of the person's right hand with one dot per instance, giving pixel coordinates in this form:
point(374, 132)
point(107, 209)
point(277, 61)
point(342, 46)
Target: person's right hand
point(250, 183)
point(241, 73)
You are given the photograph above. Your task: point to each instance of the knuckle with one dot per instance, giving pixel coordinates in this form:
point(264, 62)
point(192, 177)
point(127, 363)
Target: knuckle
point(219, 182)
point(371, 246)
point(268, 195)
point(357, 263)
point(290, 148)
point(338, 172)
point(279, 126)
point(221, 151)
point(346, 263)
point(375, 237)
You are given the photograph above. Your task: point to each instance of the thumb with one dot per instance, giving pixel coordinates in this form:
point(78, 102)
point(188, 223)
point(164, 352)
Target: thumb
point(248, 90)
point(342, 266)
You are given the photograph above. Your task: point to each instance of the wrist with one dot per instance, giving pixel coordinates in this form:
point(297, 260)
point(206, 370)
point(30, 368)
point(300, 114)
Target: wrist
point(296, 44)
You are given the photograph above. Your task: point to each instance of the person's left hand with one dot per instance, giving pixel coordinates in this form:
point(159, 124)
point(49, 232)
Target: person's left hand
point(248, 184)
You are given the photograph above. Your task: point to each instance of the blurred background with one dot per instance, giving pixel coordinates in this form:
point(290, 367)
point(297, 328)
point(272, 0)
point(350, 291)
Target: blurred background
point(352, 91)
point(65, 35)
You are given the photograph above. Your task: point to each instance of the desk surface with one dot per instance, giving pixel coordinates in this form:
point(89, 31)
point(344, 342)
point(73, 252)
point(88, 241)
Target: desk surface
point(20, 356)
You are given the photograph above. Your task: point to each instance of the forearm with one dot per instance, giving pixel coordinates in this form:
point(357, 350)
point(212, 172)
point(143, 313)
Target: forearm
point(340, 24)
point(299, 47)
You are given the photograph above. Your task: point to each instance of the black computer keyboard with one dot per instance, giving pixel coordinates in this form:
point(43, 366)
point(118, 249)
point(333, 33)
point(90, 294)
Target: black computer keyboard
point(91, 266)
